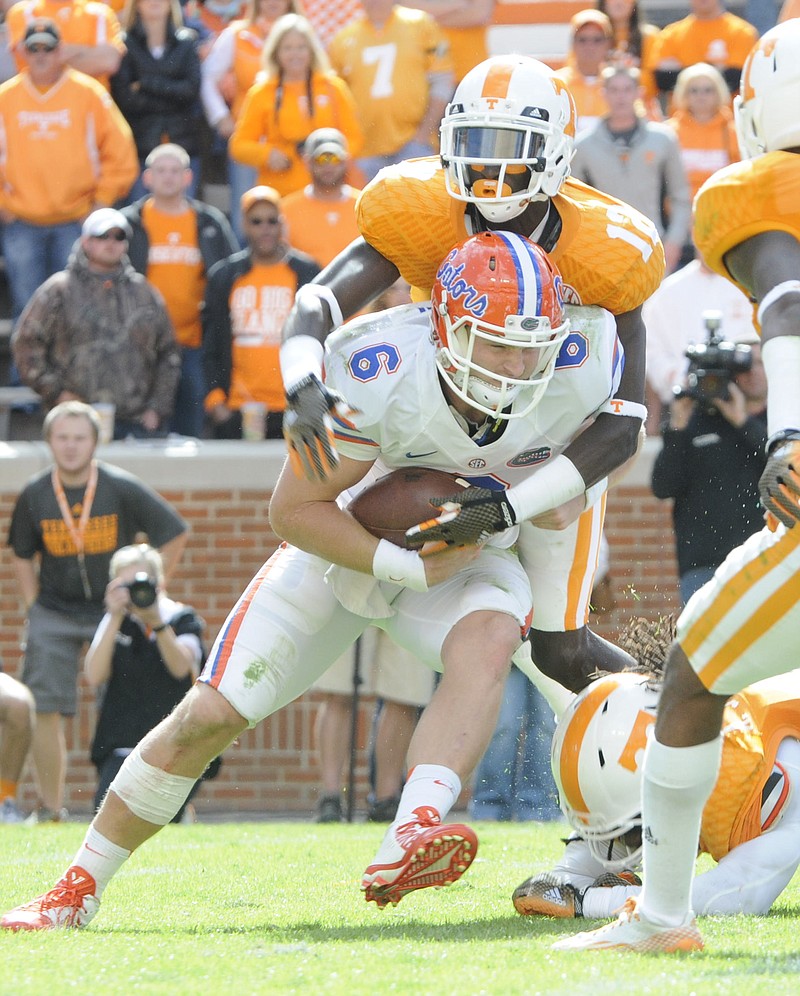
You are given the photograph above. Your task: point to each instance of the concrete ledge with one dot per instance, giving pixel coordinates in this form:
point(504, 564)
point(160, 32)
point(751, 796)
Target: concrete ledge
point(163, 464)
point(191, 464)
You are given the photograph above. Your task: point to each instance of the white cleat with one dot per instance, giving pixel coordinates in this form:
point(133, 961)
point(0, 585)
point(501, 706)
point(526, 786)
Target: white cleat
point(631, 932)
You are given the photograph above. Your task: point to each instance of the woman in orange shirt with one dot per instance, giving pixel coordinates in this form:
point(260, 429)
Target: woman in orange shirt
point(228, 72)
point(703, 122)
point(296, 94)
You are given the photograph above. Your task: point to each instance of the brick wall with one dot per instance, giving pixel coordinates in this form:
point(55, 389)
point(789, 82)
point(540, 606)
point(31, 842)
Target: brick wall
point(273, 768)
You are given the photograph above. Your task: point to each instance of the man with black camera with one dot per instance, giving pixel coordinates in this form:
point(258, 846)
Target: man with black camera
point(67, 522)
point(147, 651)
point(714, 433)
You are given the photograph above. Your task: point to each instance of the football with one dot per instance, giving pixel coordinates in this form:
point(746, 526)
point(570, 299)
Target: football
point(402, 499)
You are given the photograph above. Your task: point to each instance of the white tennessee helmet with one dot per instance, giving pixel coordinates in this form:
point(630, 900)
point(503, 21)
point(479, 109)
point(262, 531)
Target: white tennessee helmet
point(767, 109)
point(596, 758)
point(500, 288)
point(507, 136)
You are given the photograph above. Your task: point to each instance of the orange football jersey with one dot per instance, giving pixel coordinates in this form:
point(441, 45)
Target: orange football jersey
point(608, 253)
point(755, 722)
point(743, 200)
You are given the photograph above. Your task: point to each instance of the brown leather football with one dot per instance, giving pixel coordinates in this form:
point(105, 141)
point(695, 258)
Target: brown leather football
point(402, 499)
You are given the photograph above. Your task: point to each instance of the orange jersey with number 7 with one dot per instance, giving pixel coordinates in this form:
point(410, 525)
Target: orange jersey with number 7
point(608, 253)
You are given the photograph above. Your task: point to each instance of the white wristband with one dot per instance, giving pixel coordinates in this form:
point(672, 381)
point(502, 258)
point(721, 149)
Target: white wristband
point(787, 287)
point(300, 356)
point(554, 484)
point(325, 294)
point(781, 357)
point(404, 567)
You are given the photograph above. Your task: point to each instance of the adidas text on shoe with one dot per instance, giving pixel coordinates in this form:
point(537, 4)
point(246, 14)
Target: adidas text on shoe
point(546, 895)
point(430, 854)
point(631, 932)
point(70, 903)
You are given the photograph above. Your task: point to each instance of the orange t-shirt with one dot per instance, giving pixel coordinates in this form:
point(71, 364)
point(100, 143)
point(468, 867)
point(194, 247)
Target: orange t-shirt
point(723, 41)
point(320, 228)
point(175, 267)
point(260, 302)
point(705, 146)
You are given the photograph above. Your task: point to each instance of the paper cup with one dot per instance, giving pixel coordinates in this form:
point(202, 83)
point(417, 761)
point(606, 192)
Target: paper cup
point(254, 420)
point(106, 412)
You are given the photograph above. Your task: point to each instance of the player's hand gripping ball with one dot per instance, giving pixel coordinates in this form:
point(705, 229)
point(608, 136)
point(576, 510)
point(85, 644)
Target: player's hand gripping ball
point(401, 499)
point(464, 519)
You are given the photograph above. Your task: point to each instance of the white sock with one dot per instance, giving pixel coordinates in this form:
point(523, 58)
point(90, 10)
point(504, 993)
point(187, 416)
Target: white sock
point(101, 858)
point(677, 782)
point(431, 786)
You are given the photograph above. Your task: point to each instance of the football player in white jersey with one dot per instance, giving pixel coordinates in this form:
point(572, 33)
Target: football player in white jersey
point(482, 381)
point(751, 826)
point(506, 144)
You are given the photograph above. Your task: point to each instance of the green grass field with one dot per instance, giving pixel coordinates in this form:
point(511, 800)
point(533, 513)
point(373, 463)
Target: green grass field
point(275, 908)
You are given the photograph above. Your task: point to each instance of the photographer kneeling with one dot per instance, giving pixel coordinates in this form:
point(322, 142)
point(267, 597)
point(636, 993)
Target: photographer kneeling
point(147, 650)
point(714, 433)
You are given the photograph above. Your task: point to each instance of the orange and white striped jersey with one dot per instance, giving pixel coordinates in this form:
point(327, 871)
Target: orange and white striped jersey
point(706, 146)
point(755, 722)
point(743, 200)
point(62, 152)
point(388, 70)
point(81, 22)
point(607, 252)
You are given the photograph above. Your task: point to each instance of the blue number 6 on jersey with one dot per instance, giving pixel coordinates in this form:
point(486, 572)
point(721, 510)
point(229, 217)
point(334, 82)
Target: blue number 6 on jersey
point(368, 363)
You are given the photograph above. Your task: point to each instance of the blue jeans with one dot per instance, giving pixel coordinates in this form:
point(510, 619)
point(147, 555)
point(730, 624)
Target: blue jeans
point(33, 253)
point(240, 179)
point(693, 580)
point(188, 416)
point(513, 780)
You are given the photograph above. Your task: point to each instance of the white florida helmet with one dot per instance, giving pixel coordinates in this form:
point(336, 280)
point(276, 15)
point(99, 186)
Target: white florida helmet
point(767, 109)
point(507, 136)
point(597, 754)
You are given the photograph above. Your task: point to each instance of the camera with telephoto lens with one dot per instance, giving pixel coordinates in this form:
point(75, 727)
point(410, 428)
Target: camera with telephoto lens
point(713, 363)
point(142, 590)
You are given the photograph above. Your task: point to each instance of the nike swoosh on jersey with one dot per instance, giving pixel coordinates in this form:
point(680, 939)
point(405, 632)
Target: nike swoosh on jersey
point(416, 456)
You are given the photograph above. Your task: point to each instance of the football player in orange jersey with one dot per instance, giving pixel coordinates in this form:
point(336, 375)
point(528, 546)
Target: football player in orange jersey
point(506, 145)
point(744, 625)
point(750, 825)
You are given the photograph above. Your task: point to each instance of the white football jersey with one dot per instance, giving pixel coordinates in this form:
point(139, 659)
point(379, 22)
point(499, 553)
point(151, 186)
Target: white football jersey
point(385, 367)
